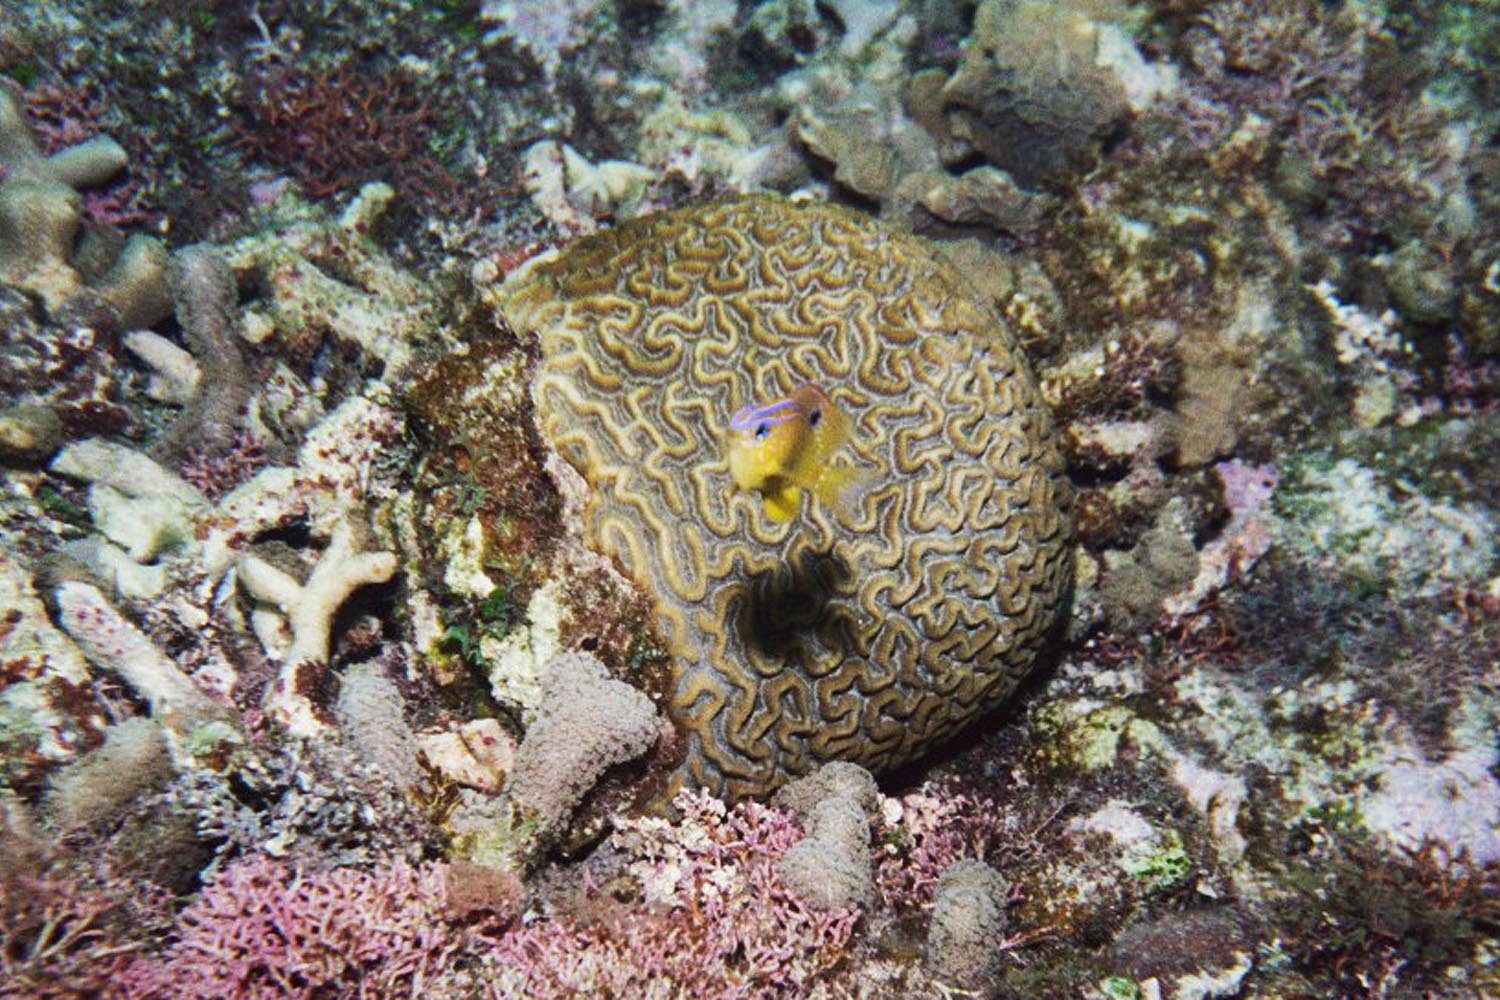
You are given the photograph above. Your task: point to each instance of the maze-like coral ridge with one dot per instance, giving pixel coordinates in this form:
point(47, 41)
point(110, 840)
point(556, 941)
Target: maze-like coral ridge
point(864, 636)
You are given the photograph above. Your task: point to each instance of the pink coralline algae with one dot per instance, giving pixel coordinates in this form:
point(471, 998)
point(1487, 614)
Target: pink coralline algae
point(1246, 487)
point(711, 920)
point(717, 924)
point(929, 832)
point(262, 931)
point(64, 116)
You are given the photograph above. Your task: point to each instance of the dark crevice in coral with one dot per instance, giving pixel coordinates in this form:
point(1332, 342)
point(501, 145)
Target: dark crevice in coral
point(366, 621)
point(782, 608)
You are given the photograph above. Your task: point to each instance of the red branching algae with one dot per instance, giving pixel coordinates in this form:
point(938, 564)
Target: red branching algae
point(685, 909)
point(336, 129)
point(509, 259)
point(1136, 372)
point(716, 922)
point(59, 938)
point(263, 931)
point(216, 471)
point(63, 116)
point(66, 115)
point(934, 830)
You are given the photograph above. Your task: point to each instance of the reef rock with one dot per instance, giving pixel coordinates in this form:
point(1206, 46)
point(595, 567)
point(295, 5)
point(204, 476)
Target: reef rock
point(863, 636)
point(1032, 92)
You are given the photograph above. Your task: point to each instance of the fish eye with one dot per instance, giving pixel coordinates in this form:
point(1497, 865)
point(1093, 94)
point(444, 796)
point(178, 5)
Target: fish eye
point(814, 417)
point(761, 430)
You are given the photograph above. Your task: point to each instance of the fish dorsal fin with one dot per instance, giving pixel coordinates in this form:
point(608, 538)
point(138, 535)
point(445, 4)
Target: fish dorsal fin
point(782, 504)
point(840, 427)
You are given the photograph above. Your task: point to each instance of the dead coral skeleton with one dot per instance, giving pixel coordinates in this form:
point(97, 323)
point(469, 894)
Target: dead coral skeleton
point(309, 609)
point(373, 302)
point(110, 642)
point(147, 511)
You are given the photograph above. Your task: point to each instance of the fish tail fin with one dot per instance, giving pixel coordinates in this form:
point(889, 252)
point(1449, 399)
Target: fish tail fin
point(843, 487)
point(782, 504)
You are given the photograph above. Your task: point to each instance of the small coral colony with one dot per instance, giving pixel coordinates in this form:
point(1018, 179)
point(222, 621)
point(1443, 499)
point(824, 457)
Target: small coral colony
point(750, 499)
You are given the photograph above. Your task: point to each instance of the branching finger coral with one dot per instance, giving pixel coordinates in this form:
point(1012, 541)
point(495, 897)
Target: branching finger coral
point(112, 643)
point(134, 502)
point(122, 468)
point(40, 213)
point(175, 374)
point(39, 210)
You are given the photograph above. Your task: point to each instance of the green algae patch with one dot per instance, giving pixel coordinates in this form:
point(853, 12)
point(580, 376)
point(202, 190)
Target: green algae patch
point(1119, 988)
point(211, 742)
point(503, 844)
point(1158, 866)
point(1086, 736)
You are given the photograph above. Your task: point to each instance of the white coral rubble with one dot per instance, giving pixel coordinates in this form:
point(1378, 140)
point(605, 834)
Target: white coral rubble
point(309, 609)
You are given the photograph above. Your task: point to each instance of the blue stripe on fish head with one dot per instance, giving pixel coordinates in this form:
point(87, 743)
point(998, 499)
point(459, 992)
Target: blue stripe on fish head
point(769, 414)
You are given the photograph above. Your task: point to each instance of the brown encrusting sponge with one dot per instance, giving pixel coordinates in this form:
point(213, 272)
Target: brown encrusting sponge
point(865, 635)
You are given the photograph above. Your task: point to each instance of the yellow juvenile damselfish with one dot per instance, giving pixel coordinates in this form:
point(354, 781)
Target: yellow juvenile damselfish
point(780, 448)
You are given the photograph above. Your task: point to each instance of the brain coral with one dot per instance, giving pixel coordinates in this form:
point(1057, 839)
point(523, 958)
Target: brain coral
point(861, 637)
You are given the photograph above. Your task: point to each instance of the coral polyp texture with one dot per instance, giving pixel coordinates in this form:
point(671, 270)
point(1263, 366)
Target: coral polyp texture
point(866, 634)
